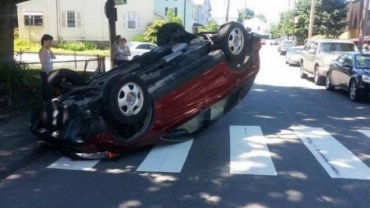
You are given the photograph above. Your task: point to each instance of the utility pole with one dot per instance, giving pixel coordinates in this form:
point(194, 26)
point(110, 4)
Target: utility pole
point(244, 13)
point(363, 28)
point(227, 10)
point(111, 14)
point(310, 29)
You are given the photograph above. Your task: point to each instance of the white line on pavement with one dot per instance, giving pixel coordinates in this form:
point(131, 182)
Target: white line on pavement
point(365, 132)
point(337, 160)
point(249, 153)
point(166, 158)
point(68, 164)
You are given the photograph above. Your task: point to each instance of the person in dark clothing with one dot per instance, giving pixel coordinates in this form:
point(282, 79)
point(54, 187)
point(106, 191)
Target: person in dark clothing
point(45, 56)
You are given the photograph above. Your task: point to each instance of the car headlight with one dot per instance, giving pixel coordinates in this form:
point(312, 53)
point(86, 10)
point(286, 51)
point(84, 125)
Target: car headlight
point(365, 78)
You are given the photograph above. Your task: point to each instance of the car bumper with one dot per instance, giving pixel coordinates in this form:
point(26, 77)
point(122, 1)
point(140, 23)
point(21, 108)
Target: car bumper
point(294, 61)
point(323, 70)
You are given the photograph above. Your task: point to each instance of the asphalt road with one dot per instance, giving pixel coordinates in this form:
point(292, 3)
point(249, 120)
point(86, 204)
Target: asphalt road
point(288, 144)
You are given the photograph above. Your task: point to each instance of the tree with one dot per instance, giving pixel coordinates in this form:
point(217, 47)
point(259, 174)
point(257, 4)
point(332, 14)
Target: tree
point(302, 11)
point(7, 19)
point(262, 17)
point(248, 14)
point(150, 34)
point(331, 17)
point(210, 27)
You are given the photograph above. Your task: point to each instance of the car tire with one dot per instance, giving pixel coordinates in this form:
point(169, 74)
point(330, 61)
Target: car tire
point(317, 79)
point(69, 77)
point(232, 38)
point(125, 99)
point(354, 93)
point(302, 75)
point(328, 84)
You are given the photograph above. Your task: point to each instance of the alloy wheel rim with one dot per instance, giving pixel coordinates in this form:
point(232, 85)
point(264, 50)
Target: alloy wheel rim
point(236, 41)
point(130, 99)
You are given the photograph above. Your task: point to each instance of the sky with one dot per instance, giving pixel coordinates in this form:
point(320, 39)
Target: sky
point(270, 8)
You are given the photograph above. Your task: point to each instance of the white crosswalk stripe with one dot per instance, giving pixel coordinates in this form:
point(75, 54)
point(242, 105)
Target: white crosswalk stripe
point(337, 160)
point(249, 153)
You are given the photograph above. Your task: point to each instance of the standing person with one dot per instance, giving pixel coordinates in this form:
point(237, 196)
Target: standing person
point(116, 46)
point(124, 52)
point(45, 56)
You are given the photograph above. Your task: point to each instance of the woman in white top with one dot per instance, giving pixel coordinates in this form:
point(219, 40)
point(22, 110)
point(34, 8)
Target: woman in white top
point(123, 52)
point(45, 56)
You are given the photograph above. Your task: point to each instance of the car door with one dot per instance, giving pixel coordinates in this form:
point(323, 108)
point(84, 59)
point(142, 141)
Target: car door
point(312, 51)
point(346, 71)
point(335, 70)
point(304, 53)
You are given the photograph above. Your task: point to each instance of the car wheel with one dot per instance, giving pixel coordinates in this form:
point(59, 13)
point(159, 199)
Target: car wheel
point(301, 72)
point(354, 92)
point(328, 84)
point(125, 99)
point(62, 80)
point(232, 40)
point(317, 78)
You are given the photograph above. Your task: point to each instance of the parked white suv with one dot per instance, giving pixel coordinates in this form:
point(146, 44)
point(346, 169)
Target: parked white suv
point(317, 55)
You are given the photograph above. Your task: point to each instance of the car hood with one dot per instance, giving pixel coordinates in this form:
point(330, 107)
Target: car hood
point(366, 72)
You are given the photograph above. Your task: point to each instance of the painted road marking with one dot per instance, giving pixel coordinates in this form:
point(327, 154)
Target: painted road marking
point(365, 132)
point(337, 160)
point(249, 153)
point(166, 158)
point(68, 164)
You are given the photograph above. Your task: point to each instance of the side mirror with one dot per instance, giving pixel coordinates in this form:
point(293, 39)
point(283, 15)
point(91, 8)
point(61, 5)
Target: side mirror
point(311, 50)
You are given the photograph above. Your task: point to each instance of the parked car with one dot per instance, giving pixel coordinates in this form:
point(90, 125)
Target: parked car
point(284, 46)
point(318, 54)
point(293, 55)
point(139, 48)
point(274, 42)
point(263, 42)
point(351, 72)
point(171, 93)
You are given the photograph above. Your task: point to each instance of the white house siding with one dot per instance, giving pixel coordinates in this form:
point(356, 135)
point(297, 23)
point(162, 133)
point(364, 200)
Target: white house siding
point(203, 11)
point(91, 22)
point(184, 10)
point(144, 10)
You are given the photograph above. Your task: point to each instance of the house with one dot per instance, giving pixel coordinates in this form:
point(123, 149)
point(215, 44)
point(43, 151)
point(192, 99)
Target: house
point(192, 12)
point(82, 19)
point(354, 21)
point(258, 26)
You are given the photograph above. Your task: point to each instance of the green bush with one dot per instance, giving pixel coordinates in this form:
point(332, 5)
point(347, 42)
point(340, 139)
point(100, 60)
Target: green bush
point(77, 46)
point(22, 45)
point(139, 38)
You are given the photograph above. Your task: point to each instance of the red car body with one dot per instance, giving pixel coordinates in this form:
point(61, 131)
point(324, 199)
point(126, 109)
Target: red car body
point(217, 81)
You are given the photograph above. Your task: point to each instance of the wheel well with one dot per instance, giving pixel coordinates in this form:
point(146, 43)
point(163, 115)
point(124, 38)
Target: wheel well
point(350, 80)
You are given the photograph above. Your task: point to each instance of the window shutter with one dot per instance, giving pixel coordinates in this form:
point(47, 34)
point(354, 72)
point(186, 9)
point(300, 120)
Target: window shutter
point(165, 11)
point(175, 11)
point(64, 19)
point(78, 19)
point(138, 25)
point(125, 20)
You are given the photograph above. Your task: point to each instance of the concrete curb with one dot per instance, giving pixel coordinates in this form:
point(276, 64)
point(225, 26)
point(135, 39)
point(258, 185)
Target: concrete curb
point(36, 151)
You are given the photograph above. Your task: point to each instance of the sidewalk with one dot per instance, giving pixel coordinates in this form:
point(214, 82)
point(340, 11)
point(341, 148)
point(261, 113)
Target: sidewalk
point(18, 147)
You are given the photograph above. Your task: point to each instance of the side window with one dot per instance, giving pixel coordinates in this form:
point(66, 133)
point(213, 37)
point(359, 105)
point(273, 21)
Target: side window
point(305, 48)
point(348, 60)
point(152, 47)
point(341, 58)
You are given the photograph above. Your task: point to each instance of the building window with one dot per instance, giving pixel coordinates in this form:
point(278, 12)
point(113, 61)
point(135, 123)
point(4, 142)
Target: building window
point(33, 19)
point(174, 10)
point(71, 19)
point(131, 20)
point(120, 2)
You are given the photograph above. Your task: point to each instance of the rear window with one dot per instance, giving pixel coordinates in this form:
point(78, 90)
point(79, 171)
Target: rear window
point(336, 47)
point(296, 50)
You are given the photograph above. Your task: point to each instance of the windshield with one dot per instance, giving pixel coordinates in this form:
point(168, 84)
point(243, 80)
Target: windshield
point(296, 50)
point(336, 47)
point(287, 43)
point(362, 61)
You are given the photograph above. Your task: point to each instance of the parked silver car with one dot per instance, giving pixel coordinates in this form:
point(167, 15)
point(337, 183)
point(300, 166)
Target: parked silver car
point(293, 55)
point(139, 48)
point(317, 55)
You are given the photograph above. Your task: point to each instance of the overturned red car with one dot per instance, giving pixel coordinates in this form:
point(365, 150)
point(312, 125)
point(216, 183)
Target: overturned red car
point(168, 94)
